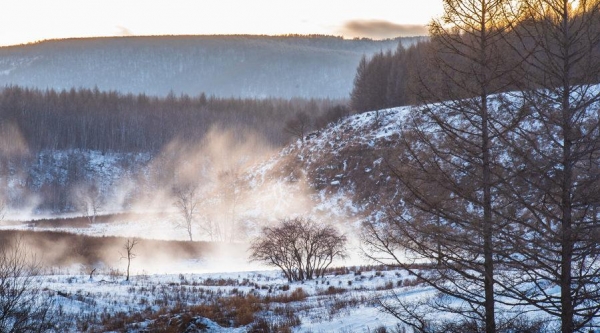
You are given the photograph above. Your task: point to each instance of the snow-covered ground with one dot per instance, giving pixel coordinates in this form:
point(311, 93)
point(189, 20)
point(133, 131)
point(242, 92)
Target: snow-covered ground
point(336, 303)
point(339, 302)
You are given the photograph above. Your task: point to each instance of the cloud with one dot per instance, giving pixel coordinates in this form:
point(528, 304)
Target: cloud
point(378, 29)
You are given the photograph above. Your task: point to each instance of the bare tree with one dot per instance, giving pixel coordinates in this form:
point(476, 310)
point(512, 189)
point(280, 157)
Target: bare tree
point(298, 125)
point(23, 305)
point(129, 255)
point(447, 165)
point(299, 247)
point(556, 164)
point(371, 84)
point(187, 203)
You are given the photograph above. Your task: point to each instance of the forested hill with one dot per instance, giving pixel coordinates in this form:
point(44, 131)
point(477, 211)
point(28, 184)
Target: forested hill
point(225, 66)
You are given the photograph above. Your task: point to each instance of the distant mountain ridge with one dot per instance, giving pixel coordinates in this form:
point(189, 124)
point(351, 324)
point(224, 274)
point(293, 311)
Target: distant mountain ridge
point(225, 66)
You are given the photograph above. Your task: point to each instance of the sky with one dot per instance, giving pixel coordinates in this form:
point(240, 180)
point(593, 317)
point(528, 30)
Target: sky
point(26, 21)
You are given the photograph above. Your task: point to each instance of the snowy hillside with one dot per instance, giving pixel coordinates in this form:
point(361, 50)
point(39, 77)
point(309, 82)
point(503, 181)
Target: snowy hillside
point(342, 167)
point(46, 184)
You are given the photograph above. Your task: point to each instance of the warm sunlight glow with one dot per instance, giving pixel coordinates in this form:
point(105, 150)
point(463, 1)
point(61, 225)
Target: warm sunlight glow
point(24, 21)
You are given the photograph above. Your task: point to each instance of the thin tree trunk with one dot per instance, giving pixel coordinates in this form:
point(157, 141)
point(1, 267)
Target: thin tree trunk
point(488, 247)
point(567, 244)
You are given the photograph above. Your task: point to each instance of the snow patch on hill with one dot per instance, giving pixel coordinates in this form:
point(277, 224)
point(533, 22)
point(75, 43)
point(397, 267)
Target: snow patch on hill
point(342, 166)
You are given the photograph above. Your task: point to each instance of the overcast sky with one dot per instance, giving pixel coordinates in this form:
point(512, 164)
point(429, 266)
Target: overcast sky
point(24, 21)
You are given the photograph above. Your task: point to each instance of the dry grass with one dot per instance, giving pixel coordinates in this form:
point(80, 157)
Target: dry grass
point(298, 295)
point(232, 311)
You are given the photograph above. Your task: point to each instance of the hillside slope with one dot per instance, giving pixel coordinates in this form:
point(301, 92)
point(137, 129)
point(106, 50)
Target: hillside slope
point(342, 168)
point(240, 66)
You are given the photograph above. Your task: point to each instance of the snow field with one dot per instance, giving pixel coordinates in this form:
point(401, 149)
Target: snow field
point(338, 302)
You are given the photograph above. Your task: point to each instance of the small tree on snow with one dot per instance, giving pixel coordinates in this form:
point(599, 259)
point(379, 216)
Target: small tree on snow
point(301, 248)
point(129, 255)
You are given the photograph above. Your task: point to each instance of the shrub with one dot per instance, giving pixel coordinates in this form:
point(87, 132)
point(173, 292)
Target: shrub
point(317, 245)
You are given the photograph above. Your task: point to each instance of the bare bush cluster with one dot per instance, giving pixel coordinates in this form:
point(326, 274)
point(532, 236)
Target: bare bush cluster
point(300, 247)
